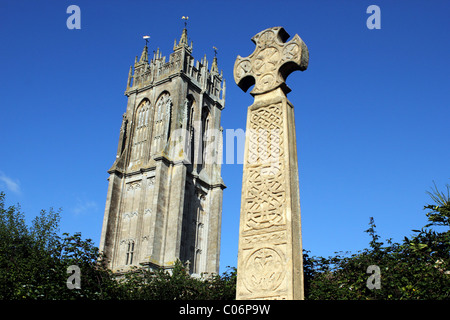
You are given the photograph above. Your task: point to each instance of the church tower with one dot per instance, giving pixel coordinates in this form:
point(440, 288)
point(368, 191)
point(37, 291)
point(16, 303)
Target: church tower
point(164, 199)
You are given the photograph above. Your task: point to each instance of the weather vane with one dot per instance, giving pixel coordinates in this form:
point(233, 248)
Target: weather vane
point(146, 39)
point(185, 18)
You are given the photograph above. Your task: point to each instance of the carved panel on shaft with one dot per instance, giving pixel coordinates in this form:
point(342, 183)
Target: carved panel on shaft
point(262, 272)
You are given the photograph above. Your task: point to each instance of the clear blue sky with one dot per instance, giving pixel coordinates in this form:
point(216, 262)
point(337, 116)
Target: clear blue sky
point(372, 110)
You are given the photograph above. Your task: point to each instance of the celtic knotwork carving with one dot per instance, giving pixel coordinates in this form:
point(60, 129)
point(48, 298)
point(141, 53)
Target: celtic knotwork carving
point(265, 192)
point(266, 60)
point(265, 135)
point(243, 68)
point(264, 199)
point(291, 51)
point(271, 62)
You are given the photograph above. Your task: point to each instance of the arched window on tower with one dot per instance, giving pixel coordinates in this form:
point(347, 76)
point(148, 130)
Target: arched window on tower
point(130, 252)
point(206, 117)
point(141, 130)
point(161, 126)
point(190, 110)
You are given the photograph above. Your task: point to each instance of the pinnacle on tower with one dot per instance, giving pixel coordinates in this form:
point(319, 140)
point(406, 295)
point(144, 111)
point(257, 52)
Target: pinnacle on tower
point(144, 55)
point(130, 76)
point(184, 39)
point(214, 66)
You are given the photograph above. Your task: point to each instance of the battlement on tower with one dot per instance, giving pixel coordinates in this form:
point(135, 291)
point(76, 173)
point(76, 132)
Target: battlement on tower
point(181, 63)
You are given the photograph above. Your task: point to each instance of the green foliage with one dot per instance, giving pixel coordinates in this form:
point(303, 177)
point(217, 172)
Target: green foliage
point(417, 268)
point(160, 284)
point(34, 261)
point(440, 210)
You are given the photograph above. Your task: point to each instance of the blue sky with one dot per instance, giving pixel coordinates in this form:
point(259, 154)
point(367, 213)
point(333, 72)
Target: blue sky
point(371, 111)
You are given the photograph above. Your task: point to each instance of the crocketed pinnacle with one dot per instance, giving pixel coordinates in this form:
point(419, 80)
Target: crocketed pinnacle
point(183, 43)
point(183, 39)
point(214, 66)
point(144, 55)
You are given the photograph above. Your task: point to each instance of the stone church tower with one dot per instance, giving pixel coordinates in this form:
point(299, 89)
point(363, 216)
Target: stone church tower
point(164, 198)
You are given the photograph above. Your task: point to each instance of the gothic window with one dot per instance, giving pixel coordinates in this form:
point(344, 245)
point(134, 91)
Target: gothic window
point(141, 130)
point(205, 128)
point(130, 252)
point(190, 108)
point(161, 127)
point(199, 231)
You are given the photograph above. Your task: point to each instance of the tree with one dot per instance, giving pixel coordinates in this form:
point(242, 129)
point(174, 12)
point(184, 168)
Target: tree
point(176, 284)
point(417, 268)
point(440, 210)
point(34, 259)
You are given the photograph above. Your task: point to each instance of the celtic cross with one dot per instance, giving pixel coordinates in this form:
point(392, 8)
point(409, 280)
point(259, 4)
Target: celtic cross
point(272, 61)
point(270, 263)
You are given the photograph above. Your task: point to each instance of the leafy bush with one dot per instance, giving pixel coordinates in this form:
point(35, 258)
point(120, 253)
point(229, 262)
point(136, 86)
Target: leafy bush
point(34, 261)
point(417, 268)
point(176, 284)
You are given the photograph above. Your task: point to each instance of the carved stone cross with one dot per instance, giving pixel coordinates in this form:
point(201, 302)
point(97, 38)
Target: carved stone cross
point(271, 62)
point(270, 263)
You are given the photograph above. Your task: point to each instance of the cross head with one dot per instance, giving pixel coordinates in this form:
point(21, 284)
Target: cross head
point(272, 61)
